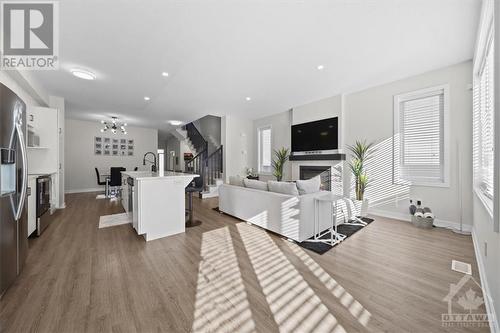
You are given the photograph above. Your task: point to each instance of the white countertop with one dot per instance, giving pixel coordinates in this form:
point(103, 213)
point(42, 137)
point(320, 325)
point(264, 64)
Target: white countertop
point(42, 173)
point(148, 175)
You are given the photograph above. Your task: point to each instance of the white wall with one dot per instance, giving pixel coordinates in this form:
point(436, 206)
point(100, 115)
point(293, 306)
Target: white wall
point(59, 104)
point(322, 109)
point(81, 160)
point(18, 88)
point(237, 138)
point(210, 128)
point(369, 115)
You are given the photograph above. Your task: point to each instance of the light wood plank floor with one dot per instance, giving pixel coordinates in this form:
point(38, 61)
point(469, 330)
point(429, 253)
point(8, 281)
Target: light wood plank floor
point(227, 276)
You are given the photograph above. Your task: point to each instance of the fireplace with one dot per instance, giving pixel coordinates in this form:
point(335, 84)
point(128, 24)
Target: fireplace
point(325, 173)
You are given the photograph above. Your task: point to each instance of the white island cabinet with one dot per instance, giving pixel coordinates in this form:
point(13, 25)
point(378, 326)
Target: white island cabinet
point(158, 208)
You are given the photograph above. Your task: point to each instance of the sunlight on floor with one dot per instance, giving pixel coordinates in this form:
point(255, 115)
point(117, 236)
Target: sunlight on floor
point(346, 299)
point(221, 300)
point(294, 304)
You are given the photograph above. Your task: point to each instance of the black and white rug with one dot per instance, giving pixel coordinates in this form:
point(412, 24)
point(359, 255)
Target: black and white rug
point(345, 229)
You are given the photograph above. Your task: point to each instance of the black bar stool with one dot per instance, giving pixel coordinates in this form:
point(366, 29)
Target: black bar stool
point(196, 186)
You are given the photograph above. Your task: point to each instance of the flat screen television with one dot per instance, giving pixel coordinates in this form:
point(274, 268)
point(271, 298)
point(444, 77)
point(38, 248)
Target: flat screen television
point(316, 135)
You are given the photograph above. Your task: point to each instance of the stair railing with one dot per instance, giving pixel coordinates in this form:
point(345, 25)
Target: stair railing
point(214, 165)
point(209, 167)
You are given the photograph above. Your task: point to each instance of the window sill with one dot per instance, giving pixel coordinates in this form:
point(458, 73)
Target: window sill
point(485, 201)
point(420, 183)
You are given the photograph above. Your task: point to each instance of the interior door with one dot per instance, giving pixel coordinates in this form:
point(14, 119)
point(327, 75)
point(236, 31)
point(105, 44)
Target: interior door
point(171, 161)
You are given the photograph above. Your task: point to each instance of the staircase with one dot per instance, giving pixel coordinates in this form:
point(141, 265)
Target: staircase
point(208, 166)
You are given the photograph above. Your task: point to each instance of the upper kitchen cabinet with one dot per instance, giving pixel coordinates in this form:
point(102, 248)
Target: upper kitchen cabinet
point(43, 140)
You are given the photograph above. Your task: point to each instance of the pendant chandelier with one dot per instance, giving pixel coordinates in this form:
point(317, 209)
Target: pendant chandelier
point(114, 126)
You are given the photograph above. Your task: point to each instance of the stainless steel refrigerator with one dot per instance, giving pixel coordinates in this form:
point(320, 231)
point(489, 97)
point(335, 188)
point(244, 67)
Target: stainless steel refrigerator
point(13, 187)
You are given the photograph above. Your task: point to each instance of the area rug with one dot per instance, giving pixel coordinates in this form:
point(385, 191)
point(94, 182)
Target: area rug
point(345, 229)
point(114, 219)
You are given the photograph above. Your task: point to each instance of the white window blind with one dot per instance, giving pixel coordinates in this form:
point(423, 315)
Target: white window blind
point(265, 149)
point(419, 140)
point(484, 128)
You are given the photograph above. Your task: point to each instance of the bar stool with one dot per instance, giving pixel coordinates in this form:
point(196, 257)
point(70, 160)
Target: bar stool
point(196, 186)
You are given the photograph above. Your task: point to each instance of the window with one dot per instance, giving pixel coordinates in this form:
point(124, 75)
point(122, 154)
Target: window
point(484, 127)
point(265, 149)
point(420, 137)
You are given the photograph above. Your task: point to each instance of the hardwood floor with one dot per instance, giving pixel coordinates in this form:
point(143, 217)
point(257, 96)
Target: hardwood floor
point(227, 276)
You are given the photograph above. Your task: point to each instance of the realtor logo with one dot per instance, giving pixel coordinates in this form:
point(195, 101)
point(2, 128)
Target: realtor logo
point(30, 35)
point(465, 304)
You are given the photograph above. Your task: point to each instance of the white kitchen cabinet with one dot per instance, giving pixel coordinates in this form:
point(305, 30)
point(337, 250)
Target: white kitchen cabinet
point(45, 159)
point(31, 205)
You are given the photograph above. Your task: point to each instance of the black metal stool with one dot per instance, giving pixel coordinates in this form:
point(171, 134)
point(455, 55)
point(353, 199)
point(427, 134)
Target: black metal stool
point(196, 186)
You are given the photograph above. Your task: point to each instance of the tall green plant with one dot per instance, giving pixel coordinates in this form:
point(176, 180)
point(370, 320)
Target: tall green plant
point(361, 152)
point(280, 157)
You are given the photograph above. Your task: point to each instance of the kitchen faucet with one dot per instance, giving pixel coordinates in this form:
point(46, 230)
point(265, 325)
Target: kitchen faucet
point(153, 167)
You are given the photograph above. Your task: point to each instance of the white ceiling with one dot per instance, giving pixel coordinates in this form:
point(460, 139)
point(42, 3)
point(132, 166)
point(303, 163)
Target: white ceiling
point(219, 52)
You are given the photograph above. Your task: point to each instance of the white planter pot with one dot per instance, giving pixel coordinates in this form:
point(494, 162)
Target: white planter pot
point(360, 207)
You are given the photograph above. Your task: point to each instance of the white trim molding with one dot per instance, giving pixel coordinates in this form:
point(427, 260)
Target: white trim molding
point(85, 190)
point(444, 90)
point(407, 218)
point(488, 301)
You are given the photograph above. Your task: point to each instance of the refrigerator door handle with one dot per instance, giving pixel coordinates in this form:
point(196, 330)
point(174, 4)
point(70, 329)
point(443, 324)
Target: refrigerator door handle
point(18, 121)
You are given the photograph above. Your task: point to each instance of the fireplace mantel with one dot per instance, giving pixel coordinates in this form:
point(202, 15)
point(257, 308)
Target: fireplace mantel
point(319, 157)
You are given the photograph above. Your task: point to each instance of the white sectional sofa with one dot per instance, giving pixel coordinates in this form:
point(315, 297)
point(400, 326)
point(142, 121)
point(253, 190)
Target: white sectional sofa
point(291, 216)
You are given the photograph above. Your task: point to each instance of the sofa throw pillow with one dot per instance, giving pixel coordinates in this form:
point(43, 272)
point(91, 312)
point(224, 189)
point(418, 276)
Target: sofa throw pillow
point(282, 187)
point(309, 185)
point(236, 181)
point(255, 184)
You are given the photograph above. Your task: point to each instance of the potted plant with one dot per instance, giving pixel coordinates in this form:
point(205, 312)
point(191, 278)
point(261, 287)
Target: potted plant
point(361, 152)
point(280, 157)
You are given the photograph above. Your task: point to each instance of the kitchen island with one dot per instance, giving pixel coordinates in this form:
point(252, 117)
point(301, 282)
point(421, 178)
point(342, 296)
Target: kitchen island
point(156, 202)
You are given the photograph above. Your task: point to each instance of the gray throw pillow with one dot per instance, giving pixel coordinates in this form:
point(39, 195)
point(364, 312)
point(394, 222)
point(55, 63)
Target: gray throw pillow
point(282, 187)
point(309, 185)
point(255, 184)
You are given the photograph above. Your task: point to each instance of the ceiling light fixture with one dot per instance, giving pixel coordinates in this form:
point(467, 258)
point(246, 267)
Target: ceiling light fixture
point(248, 98)
point(114, 126)
point(146, 98)
point(175, 122)
point(165, 74)
point(83, 74)
point(320, 67)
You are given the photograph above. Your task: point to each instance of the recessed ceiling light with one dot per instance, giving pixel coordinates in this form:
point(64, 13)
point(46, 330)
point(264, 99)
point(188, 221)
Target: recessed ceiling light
point(164, 74)
point(83, 74)
point(175, 122)
point(320, 67)
point(248, 98)
point(146, 98)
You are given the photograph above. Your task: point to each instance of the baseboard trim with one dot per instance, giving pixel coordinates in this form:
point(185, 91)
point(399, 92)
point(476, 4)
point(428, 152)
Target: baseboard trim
point(84, 190)
point(406, 218)
point(490, 308)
